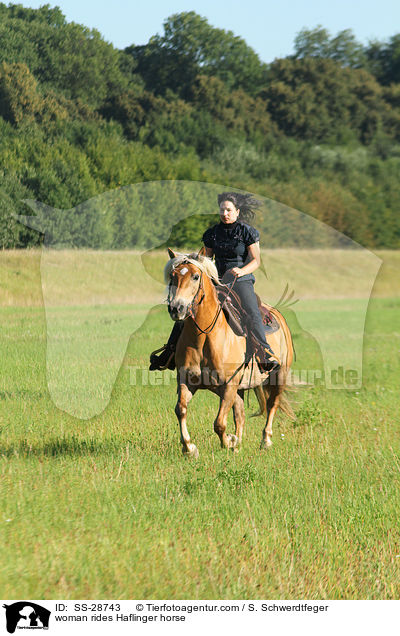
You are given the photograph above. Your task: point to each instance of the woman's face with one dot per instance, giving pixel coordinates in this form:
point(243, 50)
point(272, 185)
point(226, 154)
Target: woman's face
point(228, 212)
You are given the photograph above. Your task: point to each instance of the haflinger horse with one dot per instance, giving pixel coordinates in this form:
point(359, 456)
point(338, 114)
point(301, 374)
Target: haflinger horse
point(209, 355)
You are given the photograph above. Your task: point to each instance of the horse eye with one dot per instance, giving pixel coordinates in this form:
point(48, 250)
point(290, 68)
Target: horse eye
point(195, 276)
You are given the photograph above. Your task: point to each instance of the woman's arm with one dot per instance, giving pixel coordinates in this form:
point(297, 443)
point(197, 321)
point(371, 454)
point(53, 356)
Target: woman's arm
point(209, 251)
point(254, 262)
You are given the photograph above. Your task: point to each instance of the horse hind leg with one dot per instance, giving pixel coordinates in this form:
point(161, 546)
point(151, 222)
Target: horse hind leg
point(239, 418)
point(272, 402)
point(184, 397)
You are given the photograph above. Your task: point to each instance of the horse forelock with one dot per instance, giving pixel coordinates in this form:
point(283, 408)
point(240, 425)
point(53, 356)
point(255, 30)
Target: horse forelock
point(203, 263)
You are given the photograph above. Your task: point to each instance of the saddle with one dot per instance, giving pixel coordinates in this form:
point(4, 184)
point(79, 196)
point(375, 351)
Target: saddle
point(237, 317)
point(232, 307)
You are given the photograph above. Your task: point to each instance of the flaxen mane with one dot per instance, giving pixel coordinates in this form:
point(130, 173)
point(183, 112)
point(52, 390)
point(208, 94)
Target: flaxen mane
point(204, 264)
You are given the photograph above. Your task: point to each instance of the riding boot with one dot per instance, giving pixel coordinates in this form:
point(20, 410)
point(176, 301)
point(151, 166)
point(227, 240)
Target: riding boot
point(270, 363)
point(166, 359)
point(266, 359)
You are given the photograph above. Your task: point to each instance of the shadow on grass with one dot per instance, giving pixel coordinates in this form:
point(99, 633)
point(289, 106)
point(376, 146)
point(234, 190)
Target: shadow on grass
point(23, 394)
point(61, 447)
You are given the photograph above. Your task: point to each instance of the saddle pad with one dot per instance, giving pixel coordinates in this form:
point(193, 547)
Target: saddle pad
point(269, 320)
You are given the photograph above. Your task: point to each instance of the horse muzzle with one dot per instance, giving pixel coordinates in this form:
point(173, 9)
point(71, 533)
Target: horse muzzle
point(178, 310)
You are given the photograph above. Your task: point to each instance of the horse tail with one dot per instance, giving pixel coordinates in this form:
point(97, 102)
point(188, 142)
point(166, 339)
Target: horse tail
point(262, 391)
point(287, 362)
point(262, 397)
point(285, 406)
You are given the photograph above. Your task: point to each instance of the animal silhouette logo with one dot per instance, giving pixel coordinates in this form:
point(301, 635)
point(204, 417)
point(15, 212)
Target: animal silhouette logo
point(26, 615)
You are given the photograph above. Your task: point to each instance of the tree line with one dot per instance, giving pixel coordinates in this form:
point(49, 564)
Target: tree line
point(318, 130)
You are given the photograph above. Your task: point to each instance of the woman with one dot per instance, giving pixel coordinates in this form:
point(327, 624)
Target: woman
point(235, 245)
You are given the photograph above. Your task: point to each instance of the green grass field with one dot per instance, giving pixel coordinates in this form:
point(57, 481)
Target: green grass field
point(109, 508)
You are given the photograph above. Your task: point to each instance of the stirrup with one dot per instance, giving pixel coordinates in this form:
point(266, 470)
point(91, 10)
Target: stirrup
point(270, 362)
point(166, 359)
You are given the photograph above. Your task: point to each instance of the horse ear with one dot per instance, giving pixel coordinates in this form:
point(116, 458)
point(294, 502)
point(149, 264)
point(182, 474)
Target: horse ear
point(201, 252)
point(171, 253)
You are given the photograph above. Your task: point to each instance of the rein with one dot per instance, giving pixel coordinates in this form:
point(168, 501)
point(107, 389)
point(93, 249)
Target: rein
point(192, 314)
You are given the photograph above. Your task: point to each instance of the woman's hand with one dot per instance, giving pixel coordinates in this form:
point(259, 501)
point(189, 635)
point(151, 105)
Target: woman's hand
point(253, 263)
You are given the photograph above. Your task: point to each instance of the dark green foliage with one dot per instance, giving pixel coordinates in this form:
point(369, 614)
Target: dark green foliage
point(12, 194)
point(188, 232)
point(319, 130)
point(68, 57)
point(236, 111)
point(315, 98)
point(384, 60)
point(343, 48)
point(19, 100)
point(190, 46)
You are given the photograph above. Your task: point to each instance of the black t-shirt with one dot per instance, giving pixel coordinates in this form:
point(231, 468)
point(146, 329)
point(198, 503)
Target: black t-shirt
point(229, 242)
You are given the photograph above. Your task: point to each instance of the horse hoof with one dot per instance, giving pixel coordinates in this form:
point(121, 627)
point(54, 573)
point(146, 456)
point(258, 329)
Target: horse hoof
point(265, 444)
point(191, 452)
point(232, 442)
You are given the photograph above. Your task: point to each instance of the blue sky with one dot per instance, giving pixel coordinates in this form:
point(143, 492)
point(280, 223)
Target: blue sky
point(268, 26)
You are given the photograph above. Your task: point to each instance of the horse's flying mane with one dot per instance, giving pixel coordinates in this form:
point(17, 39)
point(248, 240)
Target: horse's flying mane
point(204, 264)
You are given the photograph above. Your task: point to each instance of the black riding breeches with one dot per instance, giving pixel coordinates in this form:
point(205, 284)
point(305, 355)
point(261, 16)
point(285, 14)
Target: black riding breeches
point(175, 333)
point(246, 293)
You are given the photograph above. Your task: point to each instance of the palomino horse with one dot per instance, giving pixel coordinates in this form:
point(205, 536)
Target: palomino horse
point(209, 355)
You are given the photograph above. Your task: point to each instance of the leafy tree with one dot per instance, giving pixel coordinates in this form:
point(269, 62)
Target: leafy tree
point(245, 116)
point(22, 102)
point(52, 16)
point(384, 60)
point(76, 119)
point(67, 57)
point(12, 233)
point(312, 43)
point(167, 122)
point(314, 98)
point(343, 48)
point(189, 232)
point(129, 109)
point(191, 46)
point(19, 99)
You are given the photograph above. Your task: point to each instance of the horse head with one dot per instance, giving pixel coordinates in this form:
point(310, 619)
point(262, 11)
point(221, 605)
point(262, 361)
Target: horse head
point(184, 277)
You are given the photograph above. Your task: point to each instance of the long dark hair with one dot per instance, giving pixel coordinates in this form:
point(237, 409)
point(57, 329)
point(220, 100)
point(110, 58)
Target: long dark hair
point(246, 203)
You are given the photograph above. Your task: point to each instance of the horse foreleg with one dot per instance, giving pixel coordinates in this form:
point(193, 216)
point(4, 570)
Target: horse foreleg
point(227, 399)
point(272, 406)
point(238, 415)
point(184, 397)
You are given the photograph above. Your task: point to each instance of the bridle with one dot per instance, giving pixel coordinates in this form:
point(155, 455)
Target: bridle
point(194, 304)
